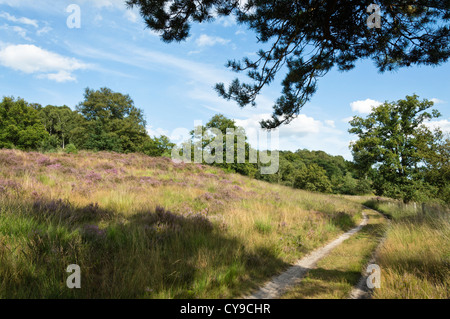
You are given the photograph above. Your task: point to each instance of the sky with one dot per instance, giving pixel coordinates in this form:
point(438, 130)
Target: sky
point(45, 61)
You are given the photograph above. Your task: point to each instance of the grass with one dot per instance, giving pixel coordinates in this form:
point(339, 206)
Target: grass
point(340, 271)
point(415, 258)
point(142, 227)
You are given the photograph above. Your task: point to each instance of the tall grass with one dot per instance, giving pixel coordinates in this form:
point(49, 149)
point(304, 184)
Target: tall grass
point(415, 258)
point(142, 227)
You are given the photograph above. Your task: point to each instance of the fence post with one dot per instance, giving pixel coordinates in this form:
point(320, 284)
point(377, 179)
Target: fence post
point(423, 208)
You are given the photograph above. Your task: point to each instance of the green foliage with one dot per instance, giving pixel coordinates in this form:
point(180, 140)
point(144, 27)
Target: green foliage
point(313, 178)
point(112, 122)
point(59, 121)
point(71, 149)
point(306, 39)
point(217, 134)
point(157, 146)
point(20, 126)
point(399, 153)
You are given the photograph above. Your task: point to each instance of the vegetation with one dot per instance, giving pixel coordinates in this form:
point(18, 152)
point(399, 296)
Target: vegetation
point(399, 153)
point(415, 257)
point(104, 121)
point(337, 274)
point(308, 38)
point(309, 170)
point(396, 155)
point(143, 227)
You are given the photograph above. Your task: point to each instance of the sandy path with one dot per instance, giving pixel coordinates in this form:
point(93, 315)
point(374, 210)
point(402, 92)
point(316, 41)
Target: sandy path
point(279, 284)
point(361, 291)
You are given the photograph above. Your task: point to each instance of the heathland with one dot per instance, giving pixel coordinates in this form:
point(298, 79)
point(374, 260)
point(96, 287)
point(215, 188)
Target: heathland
point(145, 227)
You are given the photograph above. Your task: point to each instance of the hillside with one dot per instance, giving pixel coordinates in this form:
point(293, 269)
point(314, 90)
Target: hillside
point(146, 227)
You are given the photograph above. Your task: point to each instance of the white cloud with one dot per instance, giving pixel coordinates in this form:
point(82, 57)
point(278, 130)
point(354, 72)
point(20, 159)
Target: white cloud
point(206, 40)
point(364, 107)
point(23, 20)
point(19, 30)
point(31, 59)
point(157, 131)
point(300, 127)
point(302, 132)
point(330, 123)
point(227, 21)
point(347, 119)
point(443, 125)
point(132, 15)
point(437, 101)
point(44, 30)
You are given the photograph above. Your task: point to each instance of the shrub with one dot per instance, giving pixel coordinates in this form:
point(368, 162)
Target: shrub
point(71, 149)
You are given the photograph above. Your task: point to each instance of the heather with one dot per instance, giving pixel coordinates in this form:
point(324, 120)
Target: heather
point(146, 227)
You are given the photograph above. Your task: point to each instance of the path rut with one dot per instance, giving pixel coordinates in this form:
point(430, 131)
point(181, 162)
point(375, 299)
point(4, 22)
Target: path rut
point(279, 284)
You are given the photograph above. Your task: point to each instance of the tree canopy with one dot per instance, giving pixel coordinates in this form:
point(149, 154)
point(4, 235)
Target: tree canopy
point(20, 125)
point(112, 122)
point(309, 38)
point(398, 151)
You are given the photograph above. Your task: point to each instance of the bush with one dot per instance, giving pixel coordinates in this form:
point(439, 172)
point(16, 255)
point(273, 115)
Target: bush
point(71, 149)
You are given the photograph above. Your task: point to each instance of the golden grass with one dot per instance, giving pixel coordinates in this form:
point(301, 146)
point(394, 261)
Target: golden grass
point(336, 274)
point(258, 229)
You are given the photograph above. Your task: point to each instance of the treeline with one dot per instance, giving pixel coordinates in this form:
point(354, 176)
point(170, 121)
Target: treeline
point(396, 155)
point(104, 121)
point(309, 170)
point(320, 172)
point(109, 121)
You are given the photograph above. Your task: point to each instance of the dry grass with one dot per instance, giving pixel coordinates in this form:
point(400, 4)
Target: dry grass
point(415, 258)
point(336, 274)
point(144, 227)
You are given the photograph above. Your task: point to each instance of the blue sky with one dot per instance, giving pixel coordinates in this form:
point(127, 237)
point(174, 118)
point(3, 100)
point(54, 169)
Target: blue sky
point(44, 61)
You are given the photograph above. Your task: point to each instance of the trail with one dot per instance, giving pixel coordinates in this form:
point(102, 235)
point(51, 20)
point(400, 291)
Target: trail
point(279, 284)
point(361, 291)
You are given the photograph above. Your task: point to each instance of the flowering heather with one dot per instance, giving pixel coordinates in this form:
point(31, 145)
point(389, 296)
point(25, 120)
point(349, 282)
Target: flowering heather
point(238, 188)
point(10, 158)
point(93, 177)
point(9, 185)
point(45, 161)
point(52, 208)
point(64, 210)
point(112, 171)
point(93, 233)
point(132, 221)
point(207, 196)
point(54, 166)
point(92, 212)
point(150, 181)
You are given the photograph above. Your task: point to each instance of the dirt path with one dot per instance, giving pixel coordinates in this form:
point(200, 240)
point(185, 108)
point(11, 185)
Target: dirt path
point(361, 291)
point(279, 284)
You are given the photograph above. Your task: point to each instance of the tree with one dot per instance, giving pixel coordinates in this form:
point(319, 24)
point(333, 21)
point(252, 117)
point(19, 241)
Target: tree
point(204, 137)
point(112, 122)
point(309, 38)
point(157, 146)
point(59, 121)
point(436, 168)
point(392, 144)
point(20, 125)
point(313, 178)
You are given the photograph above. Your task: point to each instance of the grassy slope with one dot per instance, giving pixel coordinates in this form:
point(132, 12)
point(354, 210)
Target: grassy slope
point(415, 258)
point(144, 227)
point(340, 271)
